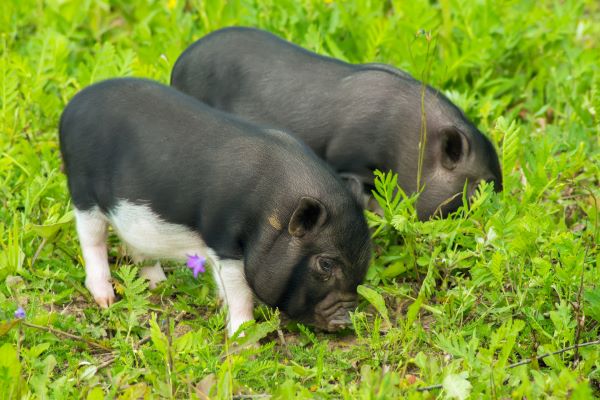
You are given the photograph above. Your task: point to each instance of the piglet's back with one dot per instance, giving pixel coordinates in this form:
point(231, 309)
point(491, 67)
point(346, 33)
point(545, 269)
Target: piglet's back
point(128, 138)
point(137, 139)
point(147, 117)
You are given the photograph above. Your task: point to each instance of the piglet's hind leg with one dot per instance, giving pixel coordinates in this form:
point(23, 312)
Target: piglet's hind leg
point(235, 292)
point(91, 229)
point(154, 274)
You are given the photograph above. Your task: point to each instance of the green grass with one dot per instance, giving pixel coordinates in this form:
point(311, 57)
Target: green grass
point(452, 302)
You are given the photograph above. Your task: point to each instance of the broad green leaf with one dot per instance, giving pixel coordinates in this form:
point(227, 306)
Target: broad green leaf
point(49, 230)
point(88, 372)
point(395, 269)
point(253, 332)
point(134, 392)
point(376, 301)
point(11, 372)
point(95, 394)
point(456, 386)
point(37, 350)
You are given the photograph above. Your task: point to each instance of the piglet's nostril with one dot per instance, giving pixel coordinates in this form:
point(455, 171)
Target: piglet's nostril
point(339, 320)
point(333, 312)
point(338, 324)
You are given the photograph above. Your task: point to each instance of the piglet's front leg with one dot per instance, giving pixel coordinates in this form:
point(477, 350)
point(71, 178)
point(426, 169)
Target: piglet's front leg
point(235, 293)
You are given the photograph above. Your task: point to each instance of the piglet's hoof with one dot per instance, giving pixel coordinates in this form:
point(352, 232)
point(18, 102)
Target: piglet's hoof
point(153, 274)
point(102, 291)
point(105, 302)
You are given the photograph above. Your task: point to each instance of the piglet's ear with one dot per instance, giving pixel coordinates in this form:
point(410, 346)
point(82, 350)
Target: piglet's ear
point(455, 146)
point(356, 188)
point(309, 215)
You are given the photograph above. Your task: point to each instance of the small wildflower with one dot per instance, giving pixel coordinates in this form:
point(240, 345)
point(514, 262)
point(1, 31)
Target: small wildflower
point(196, 263)
point(20, 313)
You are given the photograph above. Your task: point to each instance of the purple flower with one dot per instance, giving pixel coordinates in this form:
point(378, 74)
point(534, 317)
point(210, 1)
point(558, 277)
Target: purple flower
point(196, 263)
point(20, 313)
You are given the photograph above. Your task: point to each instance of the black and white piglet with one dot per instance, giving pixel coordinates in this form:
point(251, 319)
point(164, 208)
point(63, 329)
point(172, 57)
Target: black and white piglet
point(357, 117)
point(175, 177)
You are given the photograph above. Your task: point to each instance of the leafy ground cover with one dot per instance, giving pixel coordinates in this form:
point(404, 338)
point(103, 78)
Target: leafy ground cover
point(450, 309)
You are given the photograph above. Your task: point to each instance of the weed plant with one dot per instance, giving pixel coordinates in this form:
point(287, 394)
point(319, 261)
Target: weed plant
point(454, 308)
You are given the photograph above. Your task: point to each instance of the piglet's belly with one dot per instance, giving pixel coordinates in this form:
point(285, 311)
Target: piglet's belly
point(147, 236)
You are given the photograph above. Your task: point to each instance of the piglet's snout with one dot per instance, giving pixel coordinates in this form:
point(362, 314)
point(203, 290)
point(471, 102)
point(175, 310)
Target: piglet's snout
point(333, 312)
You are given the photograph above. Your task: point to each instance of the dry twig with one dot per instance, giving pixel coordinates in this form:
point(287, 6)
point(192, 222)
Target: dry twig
point(68, 335)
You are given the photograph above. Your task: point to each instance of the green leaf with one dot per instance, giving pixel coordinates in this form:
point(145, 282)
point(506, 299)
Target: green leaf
point(138, 391)
point(592, 302)
point(158, 338)
point(95, 394)
point(37, 350)
point(11, 371)
point(253, 332)
point(334, 49)
point(6, 326)
point(88, 372)
point(394, 269)
point(457, 386)
point(425, 290)
point(513, 327)
point(510, 146)
point(387, 192)
point(376, 301)
point(49, 230)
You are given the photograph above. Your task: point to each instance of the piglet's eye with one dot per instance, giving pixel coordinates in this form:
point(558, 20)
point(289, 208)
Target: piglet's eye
point(325, 265)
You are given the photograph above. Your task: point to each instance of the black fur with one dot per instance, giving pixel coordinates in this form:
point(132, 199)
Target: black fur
point(356, 117)
point(224, 178)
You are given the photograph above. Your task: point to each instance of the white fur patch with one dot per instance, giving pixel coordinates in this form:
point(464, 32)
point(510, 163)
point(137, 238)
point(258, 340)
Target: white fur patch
point(147, 236)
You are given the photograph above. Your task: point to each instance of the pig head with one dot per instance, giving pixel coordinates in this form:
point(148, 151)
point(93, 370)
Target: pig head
point(310, 269)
